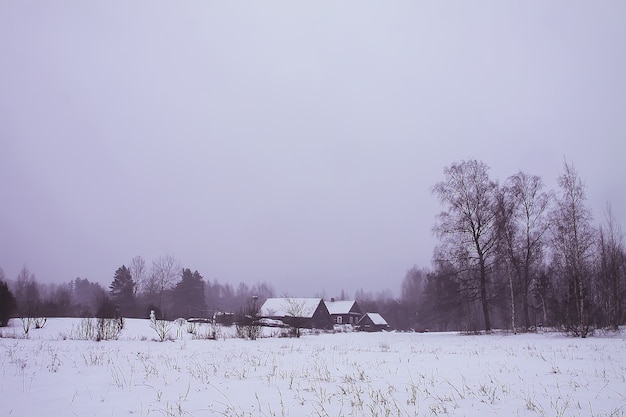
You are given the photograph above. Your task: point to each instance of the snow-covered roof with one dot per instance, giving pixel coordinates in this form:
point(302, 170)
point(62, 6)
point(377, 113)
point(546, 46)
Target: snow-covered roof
point(377, 319)
point(290, 307)
point(339, 307)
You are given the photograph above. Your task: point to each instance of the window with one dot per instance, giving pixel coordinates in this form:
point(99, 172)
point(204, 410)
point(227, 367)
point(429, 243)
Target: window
point(339, 319)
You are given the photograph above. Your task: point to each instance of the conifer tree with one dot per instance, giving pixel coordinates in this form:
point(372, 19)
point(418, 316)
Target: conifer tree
point(189, 294)
point(7, 304)
point(122, 291)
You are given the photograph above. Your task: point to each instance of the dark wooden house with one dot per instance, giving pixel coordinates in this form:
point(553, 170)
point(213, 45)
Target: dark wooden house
point(344, 312)
point(372, 322)
point(306, 313)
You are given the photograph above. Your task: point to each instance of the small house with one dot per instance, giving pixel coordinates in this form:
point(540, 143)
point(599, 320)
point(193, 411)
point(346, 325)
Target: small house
point(372, 322)
point(306, 313)
point(344, 312)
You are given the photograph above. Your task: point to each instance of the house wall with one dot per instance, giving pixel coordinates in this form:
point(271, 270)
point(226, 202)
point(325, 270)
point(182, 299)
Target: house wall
point(316, 322)
point(321, 318)
point(350, 318)
point(367, 325)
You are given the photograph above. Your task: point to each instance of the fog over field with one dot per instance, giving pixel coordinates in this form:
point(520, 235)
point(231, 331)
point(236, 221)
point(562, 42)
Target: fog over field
point(449, 174)
point(288, 143)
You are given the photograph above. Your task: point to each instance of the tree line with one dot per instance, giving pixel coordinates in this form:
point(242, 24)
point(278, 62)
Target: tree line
point(516, 255)
point(513, 255)
point(164, 286)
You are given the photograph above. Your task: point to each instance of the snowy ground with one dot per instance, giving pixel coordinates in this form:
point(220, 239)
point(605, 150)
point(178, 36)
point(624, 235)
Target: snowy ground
point(347, 374)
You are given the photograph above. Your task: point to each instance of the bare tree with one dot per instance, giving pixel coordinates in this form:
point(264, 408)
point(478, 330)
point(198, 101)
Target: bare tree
point(138, 272)
point(27, 293)
point(611, 286)
point(467, 226)
point(573, 240)
point(164, 274)
point(413, 285)
point(506, 248)
point(295, 311)
point(523, 209)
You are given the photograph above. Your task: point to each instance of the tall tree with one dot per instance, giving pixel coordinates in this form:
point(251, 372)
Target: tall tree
point(412, 291)
point(442, 308)
point(572, 243)
point(189, 295)
point(139, 272)
point(7, 303)
point(86, 296)
point(122, 291)
point(27, 293)
point(163, 276)
point(612, 272)
point(413, 285)
point(467, 226)
point(262, 291)
point(523, 210)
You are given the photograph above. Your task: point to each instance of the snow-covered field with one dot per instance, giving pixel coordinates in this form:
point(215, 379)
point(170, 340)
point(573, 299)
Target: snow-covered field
point(344, 374)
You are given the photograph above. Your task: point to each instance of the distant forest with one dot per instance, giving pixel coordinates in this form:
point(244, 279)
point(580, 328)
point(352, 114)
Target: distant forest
point(511, 256)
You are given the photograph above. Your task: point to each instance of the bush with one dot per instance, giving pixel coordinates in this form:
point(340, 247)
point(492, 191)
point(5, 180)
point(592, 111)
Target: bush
point(108, 329)
point(162, 329)
point(40, 322)
point(98, 329)
point(26, 323)
point(250, 330)
point(192, 327)
point(248, 326)
point(86, 329)
point(210, 332)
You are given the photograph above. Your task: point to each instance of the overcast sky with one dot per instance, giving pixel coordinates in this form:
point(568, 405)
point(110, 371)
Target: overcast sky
point(288, 142)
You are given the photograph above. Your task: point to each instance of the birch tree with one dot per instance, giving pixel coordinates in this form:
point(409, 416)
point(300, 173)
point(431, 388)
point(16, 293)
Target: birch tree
point(611, 285)
point(163, 276)
point(138, 272)
point(523, 207)
point(572, 244)
point(467, 225)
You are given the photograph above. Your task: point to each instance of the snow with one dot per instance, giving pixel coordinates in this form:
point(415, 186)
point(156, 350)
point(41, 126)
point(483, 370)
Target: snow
point(283, 307)
point(339, 307)
point(377, 319)
point(344, 374)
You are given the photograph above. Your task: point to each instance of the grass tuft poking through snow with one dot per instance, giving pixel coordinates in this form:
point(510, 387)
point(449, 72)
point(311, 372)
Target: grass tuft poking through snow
point(344, 374)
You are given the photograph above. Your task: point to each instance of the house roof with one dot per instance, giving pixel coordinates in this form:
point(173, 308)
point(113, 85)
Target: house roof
point(376, 319)
point(290, 307)
point(339, 307)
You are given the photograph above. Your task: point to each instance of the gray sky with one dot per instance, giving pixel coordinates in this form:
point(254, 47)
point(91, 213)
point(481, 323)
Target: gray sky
point(288, 142)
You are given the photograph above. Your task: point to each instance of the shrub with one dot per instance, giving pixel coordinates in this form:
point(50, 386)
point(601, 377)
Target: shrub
point(248, 326)
point(162, 328)
point(40, 322)
point(250, 330)
point(97, 329)
point(108, 328)
point(86, 329)
point(212, 332)
point(26, 323)
point(191, 327)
